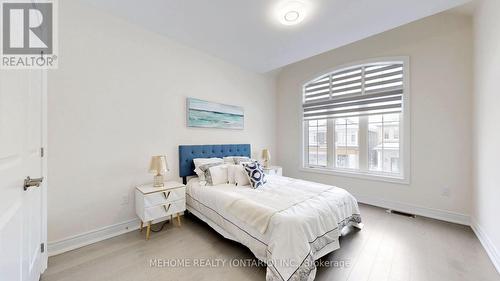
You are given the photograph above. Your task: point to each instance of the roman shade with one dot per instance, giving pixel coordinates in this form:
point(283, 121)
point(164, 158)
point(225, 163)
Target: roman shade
point(367, 89)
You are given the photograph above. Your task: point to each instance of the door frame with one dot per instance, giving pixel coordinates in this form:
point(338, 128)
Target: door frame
point(44, 113)
point(44, 163)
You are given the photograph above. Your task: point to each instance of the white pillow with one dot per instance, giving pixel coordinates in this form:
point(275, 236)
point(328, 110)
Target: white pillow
point(214, 173)
point(236, 159)
point(217, 175)
point(231, 173)
point(241, 159)
point(202, 161)
point(228, 160)
point(240, 176)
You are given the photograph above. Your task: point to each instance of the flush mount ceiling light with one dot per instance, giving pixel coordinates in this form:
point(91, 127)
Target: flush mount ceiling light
point(292, 12)
point(292, 16)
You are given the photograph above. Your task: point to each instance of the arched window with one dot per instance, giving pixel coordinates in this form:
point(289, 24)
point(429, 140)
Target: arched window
point(355, 118)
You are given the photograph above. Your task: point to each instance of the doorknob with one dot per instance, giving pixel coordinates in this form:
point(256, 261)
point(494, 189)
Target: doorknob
point(29, 182)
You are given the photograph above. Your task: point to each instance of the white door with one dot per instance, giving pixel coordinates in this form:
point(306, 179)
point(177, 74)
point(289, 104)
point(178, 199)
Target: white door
point(22, 215)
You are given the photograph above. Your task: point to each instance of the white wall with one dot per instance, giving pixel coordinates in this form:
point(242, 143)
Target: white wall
point(117, 98)
point(440, 51)
point(487, 129)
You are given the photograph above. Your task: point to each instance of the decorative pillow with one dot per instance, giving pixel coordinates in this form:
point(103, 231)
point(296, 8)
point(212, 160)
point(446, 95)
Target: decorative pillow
point(256, 174)
point(231, 171)
point(237, 175)
point(215, 173)
point(240, 159)
point(229, 160)
point(236, 159)
point(202, 161)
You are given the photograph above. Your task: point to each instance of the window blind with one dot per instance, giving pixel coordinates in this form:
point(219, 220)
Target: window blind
point(361, 90)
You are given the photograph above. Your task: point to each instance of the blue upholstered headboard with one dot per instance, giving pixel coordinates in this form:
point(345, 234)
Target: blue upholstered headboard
point(189, 152)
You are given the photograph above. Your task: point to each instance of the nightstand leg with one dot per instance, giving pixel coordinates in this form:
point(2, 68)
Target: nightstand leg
point(142, 225)
point(148, 230)
point(171, 218)
point(178, 219)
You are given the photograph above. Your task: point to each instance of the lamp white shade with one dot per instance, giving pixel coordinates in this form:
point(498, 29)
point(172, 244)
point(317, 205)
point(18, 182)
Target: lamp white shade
point(266, 155)
point(158, 165)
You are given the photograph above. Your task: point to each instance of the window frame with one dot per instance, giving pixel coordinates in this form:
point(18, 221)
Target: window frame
point(404, 133)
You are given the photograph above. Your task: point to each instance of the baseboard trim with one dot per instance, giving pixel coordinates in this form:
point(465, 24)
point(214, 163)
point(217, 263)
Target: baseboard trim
point(438, 214)
point(90, 237)
point(94, 236)
point(488, 245)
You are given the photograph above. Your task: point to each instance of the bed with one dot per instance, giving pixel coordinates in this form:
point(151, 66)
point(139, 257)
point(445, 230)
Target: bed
point(288, 224)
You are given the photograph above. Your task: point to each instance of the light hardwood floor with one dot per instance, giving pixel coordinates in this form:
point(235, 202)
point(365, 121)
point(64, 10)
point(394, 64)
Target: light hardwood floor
point(390, 247)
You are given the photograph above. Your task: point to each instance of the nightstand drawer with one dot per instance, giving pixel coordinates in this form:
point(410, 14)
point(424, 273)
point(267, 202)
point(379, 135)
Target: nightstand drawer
point(168, 209)
point(164, 197)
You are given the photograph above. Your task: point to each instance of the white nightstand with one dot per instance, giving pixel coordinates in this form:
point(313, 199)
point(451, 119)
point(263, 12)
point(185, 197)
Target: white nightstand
point(155, 203)
point(273, 170)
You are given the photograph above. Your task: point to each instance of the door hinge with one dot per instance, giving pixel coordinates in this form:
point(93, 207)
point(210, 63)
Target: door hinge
point(42, 152)
point(42, 247)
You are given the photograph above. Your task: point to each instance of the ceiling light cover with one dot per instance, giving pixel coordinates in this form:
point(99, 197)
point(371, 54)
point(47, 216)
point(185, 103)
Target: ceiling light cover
point(292, 12)
point(292, 16)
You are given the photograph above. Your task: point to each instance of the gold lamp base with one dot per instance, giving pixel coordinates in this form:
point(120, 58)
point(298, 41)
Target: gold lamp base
point(158, 181)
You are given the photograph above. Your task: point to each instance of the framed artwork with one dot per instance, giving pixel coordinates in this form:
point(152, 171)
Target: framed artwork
point(206, 114)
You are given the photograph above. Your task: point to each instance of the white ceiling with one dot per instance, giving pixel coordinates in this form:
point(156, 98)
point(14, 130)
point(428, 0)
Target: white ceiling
point(247, 33)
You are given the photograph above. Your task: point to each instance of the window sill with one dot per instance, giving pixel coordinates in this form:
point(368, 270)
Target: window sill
point(358, 175)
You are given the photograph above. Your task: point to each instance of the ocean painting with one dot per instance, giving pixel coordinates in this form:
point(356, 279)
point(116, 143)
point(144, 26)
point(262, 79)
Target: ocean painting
point(207, 114)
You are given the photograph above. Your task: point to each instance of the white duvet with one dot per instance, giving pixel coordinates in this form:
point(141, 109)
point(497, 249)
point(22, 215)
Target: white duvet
point(288, 223)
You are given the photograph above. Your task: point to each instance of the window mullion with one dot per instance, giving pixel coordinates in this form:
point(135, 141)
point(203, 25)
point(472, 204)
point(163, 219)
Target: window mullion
point(330, 143)
point(346, 150)
point(306, 144)
point(383, 144)
point(317, 143)
point(363, 143)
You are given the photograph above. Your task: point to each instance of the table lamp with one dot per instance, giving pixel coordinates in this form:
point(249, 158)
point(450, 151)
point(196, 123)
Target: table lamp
point(266, 156)
point(158, 167)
